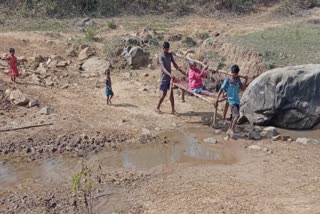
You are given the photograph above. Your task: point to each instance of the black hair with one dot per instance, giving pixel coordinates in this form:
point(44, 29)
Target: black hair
point(166, 44)
point(11, 50)
point(235, 69)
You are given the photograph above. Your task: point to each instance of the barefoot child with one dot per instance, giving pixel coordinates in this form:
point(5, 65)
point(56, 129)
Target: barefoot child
point(195, 78)
point(12, 62)
point(109, 92)
point(231, 86)
point(165, 59)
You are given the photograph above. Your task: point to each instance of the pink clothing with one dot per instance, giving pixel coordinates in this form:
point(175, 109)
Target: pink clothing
point(13, 70)
point(195, 78)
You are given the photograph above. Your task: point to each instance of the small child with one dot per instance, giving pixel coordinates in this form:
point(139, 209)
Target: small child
point(232, 86)
point(195, 78)
point(109, 92)
point(12, 62)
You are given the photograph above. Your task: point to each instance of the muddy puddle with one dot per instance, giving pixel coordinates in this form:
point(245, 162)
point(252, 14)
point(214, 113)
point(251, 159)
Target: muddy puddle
point(176, 148)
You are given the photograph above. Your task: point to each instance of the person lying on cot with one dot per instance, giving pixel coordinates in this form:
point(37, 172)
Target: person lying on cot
point(195, 77)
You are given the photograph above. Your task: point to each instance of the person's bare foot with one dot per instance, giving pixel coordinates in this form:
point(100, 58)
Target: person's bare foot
point(158, 111)
point(175, 113)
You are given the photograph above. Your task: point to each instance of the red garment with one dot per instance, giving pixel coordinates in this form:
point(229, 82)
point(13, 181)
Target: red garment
point(13, 70)
point(195, 78)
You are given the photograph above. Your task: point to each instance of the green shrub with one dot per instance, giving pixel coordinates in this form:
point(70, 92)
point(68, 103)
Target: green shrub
point(89, 33)
point(112, 25)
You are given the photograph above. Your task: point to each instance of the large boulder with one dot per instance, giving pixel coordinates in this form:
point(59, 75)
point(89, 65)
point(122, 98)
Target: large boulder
point(136, 57)
point(95, 65)
point(284, 97)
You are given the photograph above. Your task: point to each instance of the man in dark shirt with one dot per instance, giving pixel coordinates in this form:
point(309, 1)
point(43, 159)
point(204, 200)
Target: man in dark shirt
point(165, 59)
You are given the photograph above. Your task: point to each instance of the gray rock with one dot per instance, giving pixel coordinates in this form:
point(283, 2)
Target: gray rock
point(18, 98)
point(284, 97)
point(285, 138)
point(305, 140)
point(254, 147)
point(65, 86)
point(41, 69)
point(253, 133)
point(86, 53)
point(210, 140)
point(33, 103)
point(62, 64)
point(57, 58)
point(35, 78)
point(276, 138)
point(49, 82)
point(46, 111)
point(136, 57)
point(95, 65)
point(269, 132)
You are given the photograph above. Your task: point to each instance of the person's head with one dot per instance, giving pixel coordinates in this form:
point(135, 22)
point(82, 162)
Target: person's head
point(192, 64)
point(235, 71)
point(108, 72)
point(166, 47)
point(12, 51)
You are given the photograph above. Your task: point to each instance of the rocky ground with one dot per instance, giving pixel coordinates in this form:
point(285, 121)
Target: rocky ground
point(58, 112)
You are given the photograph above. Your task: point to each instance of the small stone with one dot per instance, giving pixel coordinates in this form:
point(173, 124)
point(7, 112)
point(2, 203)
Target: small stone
point(285, 138)
point(254, 135)
point(146, 131)
point(65, 86)
point(254, 147)
point(289, 140)
point(157, 129)
point(276, 138)
point(146, 75)
point(49, 82)
point(304, 140)
point(18, 98)
point(269, 132)
point(62, 64)
point(46, 111)
point(218, 131)
point(210, 140)
point(226, 138)
point(143, 89)
point(265, 149)
point(86, 53)
point(56, 58)
point(7, 92)
point(33, 103)
point(174, 125)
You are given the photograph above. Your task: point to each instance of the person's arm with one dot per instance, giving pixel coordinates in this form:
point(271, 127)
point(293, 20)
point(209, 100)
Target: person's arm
point(244, 84)
point(177, 67)
point(223, 88)
point(203, 73)
point(163, 67)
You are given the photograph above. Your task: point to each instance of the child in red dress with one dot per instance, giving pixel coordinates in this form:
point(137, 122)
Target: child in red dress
point(12, 62)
